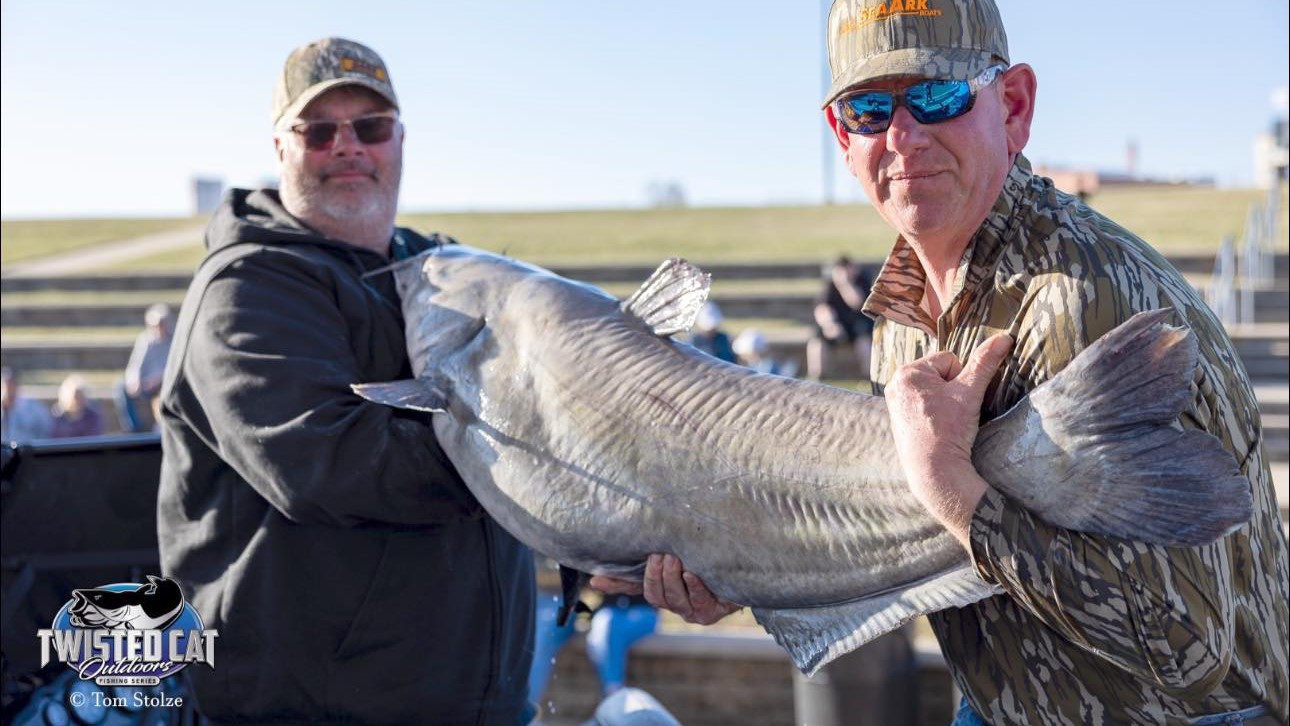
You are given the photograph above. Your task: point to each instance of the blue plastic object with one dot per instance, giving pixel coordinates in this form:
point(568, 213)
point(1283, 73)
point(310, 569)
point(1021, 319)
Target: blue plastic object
point(614, 628)
point(549, 639)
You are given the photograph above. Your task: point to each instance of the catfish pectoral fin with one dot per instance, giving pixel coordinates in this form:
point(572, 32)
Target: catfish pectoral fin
point(814, 636)
point(417, 394)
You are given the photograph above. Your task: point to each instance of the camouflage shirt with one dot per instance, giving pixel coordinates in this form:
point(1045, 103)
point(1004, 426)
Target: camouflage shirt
point(1094, 629)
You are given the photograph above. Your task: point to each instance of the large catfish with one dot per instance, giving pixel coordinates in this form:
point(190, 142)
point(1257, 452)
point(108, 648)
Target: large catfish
point(596, 439)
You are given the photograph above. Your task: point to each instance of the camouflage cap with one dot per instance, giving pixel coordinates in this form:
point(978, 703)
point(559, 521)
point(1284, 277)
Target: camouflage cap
point(951, 39)
point(322, 65)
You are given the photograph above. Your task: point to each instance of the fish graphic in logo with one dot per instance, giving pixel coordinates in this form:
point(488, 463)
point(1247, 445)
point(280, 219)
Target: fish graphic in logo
point(128, 633)
point(153, 606)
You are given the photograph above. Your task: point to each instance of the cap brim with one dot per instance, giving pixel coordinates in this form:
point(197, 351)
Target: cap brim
point(958, 64)
point(319, 89)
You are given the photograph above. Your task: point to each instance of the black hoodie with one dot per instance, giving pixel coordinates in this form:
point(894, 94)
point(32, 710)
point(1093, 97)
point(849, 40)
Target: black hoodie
point(349, 572)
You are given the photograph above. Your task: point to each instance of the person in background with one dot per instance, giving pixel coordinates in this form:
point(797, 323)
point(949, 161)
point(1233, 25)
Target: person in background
point(839, 320)
point(708, 336)
point(21, 418)
point(136, 392)
point(75, 414)
point(751, 350)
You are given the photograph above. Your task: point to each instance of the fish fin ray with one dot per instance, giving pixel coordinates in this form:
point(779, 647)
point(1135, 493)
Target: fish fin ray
point(418, 394)
point(1124, 466)
point(815, 636)
point(670, 299)
point(1164, 487)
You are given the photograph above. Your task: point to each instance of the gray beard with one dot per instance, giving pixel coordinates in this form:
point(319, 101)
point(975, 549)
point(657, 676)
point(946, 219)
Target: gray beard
point(348, 218)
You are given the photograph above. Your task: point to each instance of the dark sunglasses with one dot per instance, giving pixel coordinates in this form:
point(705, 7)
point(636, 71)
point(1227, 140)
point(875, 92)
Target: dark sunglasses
point(321, 135)
point(929, 102)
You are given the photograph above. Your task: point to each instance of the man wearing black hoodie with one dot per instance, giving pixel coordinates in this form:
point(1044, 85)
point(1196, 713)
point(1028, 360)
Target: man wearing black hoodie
point(350, 574)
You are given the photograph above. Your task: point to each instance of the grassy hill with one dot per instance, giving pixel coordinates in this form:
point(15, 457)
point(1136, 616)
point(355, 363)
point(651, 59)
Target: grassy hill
point(1174, 219)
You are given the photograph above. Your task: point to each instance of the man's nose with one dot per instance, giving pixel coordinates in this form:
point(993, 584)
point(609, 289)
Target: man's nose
point(346, 141)
point(905, 134)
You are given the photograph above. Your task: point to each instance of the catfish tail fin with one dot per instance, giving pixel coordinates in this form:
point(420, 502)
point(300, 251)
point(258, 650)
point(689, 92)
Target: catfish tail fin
point(1099, 448)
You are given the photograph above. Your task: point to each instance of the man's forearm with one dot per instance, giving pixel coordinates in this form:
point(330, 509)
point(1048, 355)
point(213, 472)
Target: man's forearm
point(951, 492)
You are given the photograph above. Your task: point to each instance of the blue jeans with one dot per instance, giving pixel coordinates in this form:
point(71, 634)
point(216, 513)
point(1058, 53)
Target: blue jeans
point(967, 717)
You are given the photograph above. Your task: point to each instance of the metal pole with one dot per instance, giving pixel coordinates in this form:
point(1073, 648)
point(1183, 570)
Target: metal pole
point(827, 151)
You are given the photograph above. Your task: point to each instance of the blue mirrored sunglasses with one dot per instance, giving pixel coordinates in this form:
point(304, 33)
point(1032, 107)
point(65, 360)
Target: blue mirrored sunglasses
point(929, 102)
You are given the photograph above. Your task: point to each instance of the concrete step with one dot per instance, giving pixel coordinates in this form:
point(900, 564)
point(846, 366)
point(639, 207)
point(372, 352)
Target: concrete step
point(73, 316)
point(138, 281)
point(1276, 437)
point(1264, 349)
point(1281, 483)
point(1272, 306)
point(1274, 399)
point(67, 354)
point(596, 274)
point(1203, 263)
point(1195, 266)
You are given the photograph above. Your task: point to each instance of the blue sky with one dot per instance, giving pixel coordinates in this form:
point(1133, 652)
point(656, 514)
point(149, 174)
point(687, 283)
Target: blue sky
point(109, 108)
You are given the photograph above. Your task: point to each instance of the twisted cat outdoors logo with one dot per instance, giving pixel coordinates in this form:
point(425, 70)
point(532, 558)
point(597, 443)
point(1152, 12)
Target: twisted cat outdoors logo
point(128, 634)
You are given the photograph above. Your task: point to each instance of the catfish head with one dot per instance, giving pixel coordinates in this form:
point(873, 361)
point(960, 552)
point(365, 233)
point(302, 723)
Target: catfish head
point(449, 294)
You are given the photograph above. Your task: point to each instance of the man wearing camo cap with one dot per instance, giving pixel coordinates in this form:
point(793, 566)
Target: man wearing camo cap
point(996, 268)
point(350, 574)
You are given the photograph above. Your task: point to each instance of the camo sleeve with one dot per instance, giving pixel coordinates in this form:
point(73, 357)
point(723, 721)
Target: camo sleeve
point(1159, 612)
point(1154, 611)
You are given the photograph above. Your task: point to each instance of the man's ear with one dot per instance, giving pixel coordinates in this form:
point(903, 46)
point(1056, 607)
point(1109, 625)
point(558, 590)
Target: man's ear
point(277, 145)
point(1018, 93)
point(844, 138)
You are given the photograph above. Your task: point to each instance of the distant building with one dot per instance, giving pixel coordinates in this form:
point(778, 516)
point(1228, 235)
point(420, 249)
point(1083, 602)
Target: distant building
point(1072, 181)
point(1085, 182)
point(665, 195)
point(1271, 152)
point(207, 192)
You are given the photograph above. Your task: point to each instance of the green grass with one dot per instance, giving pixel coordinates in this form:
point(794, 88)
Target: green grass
point(1184, 219)
point(183, 259)
point(29, 239)
point(1174, 219)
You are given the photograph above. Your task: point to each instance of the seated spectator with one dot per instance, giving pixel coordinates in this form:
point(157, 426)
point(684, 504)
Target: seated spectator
point(136, 392)
point(838, 320)
point(74, 414)
point(751, 350)
point(21, 418)
point(708, 335)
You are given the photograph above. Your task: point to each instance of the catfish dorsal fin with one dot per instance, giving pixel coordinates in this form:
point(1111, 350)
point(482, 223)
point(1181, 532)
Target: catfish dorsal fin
point(670, 299)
